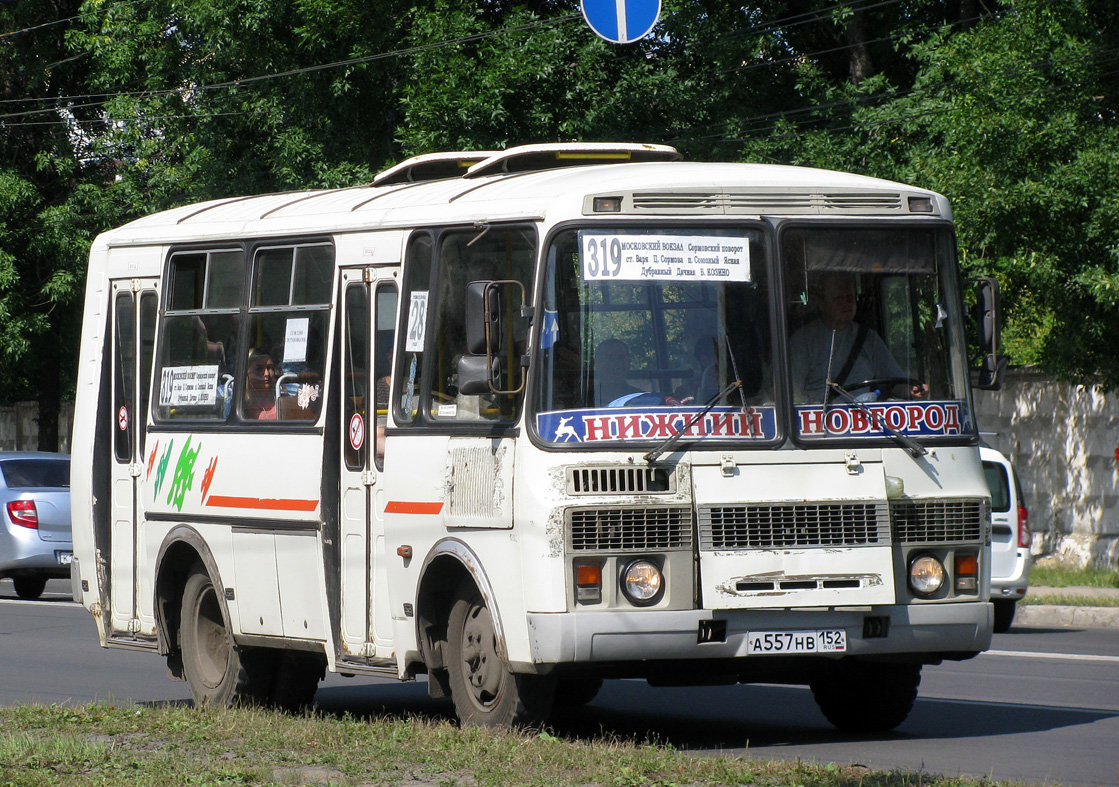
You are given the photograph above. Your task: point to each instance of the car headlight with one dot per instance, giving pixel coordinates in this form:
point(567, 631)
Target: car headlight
point(642, 583)
point(926, 576)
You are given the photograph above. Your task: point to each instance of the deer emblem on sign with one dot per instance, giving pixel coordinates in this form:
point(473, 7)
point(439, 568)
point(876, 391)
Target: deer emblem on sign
point(566, 430)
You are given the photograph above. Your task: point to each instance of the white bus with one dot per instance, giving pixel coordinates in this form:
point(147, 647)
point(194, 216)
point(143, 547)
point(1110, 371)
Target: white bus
point(521, 421)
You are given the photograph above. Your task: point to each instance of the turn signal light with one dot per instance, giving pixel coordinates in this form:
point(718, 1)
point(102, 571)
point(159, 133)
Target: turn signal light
point(23, 513)
point(588, 584)
point(967, 573)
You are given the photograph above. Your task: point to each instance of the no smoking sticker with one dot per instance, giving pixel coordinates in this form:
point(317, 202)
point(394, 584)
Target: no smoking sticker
point(357, 431)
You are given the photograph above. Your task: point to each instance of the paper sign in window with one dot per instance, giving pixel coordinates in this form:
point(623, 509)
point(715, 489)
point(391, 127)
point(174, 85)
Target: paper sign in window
point(295, 339)
point(189, 386)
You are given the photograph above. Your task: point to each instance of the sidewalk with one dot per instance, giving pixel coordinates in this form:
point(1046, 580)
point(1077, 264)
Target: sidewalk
point(1071, 616)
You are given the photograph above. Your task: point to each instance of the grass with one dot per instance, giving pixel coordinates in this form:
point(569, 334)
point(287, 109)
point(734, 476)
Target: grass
point(1060, 576)
point(160, 746)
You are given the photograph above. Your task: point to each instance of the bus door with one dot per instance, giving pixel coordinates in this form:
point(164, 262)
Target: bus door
point(135, 306)
point(369, 298)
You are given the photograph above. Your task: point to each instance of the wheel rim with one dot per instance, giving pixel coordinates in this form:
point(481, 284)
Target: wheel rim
point(482, 668)
point(214, 649)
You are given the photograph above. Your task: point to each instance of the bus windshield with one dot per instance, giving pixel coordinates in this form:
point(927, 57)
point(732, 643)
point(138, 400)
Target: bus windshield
point(647, 333)
point(643, 328)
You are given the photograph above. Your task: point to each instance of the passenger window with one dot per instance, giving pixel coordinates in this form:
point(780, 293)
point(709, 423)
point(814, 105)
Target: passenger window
point(285, 345)
point(198, 339)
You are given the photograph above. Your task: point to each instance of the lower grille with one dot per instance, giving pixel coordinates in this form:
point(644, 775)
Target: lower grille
point(793, 525)
point(938, 521)
point(629, 529)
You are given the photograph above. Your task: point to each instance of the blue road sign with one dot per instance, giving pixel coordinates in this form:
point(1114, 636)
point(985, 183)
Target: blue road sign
point(621, 21)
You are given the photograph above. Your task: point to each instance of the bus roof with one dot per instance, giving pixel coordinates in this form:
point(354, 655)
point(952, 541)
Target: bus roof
point(488, 192)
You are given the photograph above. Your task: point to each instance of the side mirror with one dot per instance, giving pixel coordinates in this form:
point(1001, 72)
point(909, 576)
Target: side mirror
point(989, 324)
point(483, 317)
point(477, 375)
point(494, 326)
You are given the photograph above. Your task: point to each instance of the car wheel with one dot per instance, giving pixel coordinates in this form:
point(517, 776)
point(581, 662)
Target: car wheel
point(485, 692)
point(1004, 614)
point(859, 696)
point(217, 670)
point(30, 587)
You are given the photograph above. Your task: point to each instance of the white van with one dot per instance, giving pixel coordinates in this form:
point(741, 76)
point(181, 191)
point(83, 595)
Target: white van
point(1010, 536)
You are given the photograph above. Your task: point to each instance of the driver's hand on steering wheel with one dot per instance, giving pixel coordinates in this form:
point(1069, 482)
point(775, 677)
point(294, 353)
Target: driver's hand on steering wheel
point(905, 391)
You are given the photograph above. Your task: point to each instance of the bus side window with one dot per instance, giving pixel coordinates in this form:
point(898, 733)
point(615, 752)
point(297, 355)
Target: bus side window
point(492, 255)
point(286, 343)
point(408, 378)
point(198, 338)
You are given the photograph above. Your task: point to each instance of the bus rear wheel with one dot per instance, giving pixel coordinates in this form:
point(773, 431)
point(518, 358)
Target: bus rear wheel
point(860, 696)
point(485, 692)
point(217, 670)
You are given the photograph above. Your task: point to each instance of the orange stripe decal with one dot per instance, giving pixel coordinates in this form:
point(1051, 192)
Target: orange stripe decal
point(262, 504)
point(404, 507)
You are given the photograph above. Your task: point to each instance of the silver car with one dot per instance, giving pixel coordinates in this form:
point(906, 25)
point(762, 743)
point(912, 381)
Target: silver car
point(1010, 537)
point(35, 540)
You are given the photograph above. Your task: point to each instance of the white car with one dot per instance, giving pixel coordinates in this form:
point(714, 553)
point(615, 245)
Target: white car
point(1010, 537)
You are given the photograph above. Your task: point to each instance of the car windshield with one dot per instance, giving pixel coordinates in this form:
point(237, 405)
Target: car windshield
point(28, 473)
point(644, 328)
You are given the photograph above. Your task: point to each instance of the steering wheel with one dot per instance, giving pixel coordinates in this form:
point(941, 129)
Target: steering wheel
point(640, 399)
point(884, 386)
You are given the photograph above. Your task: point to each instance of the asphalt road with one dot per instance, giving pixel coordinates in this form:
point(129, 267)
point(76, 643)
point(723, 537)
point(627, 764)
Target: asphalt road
point(1041, 707)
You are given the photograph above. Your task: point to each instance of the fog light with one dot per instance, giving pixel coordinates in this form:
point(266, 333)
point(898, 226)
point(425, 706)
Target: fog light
point(926, 576)
point(642, 583)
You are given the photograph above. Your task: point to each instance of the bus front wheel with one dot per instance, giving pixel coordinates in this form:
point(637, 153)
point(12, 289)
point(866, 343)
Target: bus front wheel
point(217, 670)
point(860, 696)
point(485, 692)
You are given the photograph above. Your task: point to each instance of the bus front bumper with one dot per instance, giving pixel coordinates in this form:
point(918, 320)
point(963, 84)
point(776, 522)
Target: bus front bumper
point(618, 636)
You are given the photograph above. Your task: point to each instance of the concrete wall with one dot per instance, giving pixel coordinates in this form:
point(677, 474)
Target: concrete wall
point(1063, 439)
point(19, 427)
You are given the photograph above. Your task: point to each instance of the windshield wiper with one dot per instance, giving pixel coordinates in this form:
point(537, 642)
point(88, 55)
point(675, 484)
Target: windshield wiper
point(673, 439)
point(916, 449)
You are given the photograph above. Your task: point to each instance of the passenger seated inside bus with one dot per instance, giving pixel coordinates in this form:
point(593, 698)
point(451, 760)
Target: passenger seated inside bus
point(260, 388)
point(833, 347)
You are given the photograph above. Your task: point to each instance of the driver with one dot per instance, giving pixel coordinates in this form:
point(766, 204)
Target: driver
point(834, 347)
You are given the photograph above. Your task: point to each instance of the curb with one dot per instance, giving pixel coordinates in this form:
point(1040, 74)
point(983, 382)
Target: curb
point(1078, 617)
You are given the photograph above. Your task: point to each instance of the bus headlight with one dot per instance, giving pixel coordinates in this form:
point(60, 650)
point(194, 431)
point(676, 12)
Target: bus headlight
point(642, 583)
point(926, 576)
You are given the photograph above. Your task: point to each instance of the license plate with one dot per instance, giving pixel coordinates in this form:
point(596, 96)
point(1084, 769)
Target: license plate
point(64, 558)
point(823, 641)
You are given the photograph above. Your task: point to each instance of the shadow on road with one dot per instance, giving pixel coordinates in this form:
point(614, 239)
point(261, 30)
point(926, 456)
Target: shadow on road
point(717, 718)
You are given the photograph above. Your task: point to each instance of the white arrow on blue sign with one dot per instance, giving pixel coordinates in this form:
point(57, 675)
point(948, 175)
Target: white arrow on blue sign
point(621, 21)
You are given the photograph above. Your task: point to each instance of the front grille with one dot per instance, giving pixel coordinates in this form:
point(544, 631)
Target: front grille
point(620, 480)
point(629, 529)
point(937, 521)
point(793, 525)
